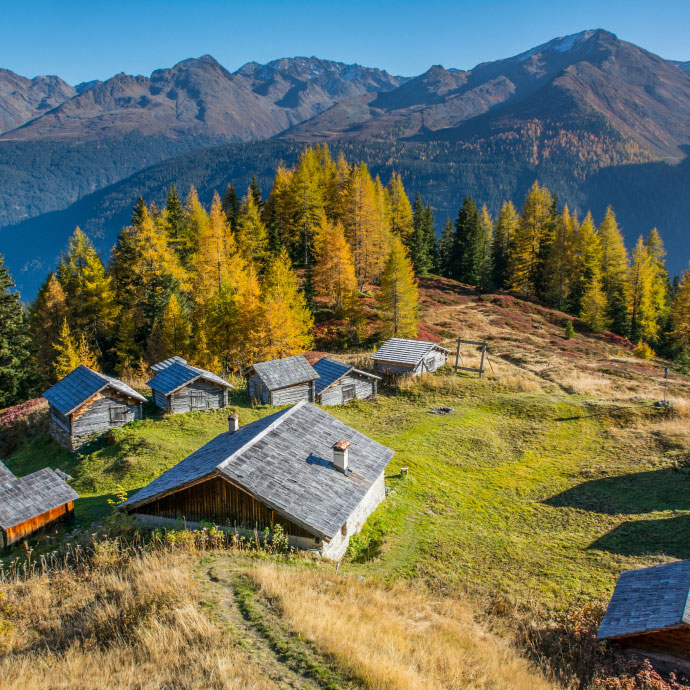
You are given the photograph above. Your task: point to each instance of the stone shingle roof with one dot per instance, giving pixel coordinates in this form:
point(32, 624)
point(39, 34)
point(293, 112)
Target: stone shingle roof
point(648, 600)
point(167, 362)
point(5, 474)
point(405, 351)
point(176, 375)
point(289, 371)
point(330, 371)
point(81, 385)
point(26, 497)
point(284, 461)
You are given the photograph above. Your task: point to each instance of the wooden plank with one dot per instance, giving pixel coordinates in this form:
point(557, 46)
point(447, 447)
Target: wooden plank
point(475, 370)
point(470, 342)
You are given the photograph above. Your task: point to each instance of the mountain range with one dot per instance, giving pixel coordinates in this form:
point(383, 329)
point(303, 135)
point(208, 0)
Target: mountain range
point(598, 119)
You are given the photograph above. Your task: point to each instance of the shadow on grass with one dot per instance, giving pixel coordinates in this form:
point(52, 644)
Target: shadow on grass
point(669, 536)
point(642, 492)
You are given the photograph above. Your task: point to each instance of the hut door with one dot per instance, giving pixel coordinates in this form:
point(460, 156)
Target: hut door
point(348, 392)
point(197, 400)
point(118, 414)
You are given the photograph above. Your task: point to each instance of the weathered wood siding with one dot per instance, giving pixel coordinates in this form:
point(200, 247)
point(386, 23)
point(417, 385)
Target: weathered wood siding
point(675, 641)
point(393, 367)
point(161, 400)
point(198, 395)
point(362, 387)
point(217, 500)
point(64, 513)
point(293, 394)
point(59, 427)
point(431, 362)
point(257, 390)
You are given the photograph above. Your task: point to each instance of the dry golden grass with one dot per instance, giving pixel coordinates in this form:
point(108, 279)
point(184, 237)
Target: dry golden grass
point(396, 638)
point(136, 626)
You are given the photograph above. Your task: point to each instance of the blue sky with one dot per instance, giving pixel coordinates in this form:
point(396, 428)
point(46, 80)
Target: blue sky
point(82, 40)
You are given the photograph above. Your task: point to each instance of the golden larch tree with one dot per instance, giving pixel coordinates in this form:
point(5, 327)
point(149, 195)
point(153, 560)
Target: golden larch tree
point(399, 299)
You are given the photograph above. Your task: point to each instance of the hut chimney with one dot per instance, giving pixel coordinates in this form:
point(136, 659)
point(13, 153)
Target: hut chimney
point(340, 456)
point(233, 422)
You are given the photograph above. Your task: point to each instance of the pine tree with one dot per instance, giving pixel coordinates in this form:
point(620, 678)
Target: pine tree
point(614, 270)
point(256, 194)
point(469, 244)
point(47, 313)
point(127, 348)
point(252, 236)
point(231, 206)
point(418, 242)
point(398, 299)
point(16, 367)
point(446, 245)
point(506, 226)
point(286, 322)
point(175, 221)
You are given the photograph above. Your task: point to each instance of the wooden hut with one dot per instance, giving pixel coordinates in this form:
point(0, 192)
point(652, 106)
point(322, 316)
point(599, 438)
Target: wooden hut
point(413, 357)
point(299, 468)
point(339, 383)
point(282, 381)
point(180, 387)
point(86, 403)
point(649, 613)
point(32, 503)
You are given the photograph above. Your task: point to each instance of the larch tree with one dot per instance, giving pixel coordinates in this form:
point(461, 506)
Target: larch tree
point(71, 353)
point(175, 331)
point(486, 226)
point(594, 305)
point(587, 263)
point(47, 313)
point(251, 233)
point(277, 212)
point(16, 366)
point(643, 321)
point(660, 281)
point(614, 271)
point(398, 299)
point(89, 293)
point(506, 226)
point(401, 211)
point(680, 315)
point(533, 227)
point(286, 322)
point(559, 269)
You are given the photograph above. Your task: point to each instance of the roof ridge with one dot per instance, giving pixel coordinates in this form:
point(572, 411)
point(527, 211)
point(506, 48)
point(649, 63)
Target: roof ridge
point(257, 437)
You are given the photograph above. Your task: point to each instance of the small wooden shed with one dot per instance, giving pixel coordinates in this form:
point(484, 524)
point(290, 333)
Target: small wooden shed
point(413, 357)
point(649, 613)
point(282, 381)
point(86, 403)
point(299, 468)
point(180, 387)
point(339, 383)
point(32, 503)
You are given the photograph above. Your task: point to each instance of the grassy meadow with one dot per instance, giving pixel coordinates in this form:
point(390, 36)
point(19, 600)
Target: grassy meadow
point(551, 475)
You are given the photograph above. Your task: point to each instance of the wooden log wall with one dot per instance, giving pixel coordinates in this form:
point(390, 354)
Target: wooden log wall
point(292, 394)
point(217, 500)
point(63, 513)
point(98, 414)
point(364, 389)
point(199, 395)
point(257, 390)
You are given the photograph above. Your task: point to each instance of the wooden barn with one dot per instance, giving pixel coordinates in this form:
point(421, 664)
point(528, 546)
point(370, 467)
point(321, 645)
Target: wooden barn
point(299, 468)
point(180, 387)
point(85, 404)
point(282, 381)
point(339, 383)
point(32, 503)
point(649, 614)
point(413, 357)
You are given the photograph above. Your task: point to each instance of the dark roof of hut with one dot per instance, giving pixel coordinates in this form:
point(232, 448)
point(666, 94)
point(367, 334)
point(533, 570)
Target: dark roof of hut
point(648, 600)
point(81, 385)
point(167, 362)
point(24, 498)
point(5, 474)
point(178, 375)
point(330, 371)
point(281, 373)
point(405, 351)
point(284, 461)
